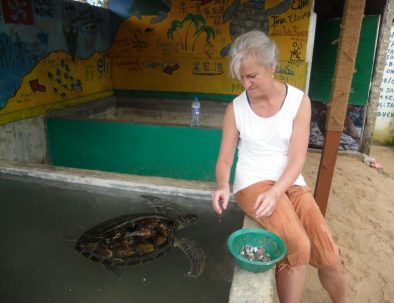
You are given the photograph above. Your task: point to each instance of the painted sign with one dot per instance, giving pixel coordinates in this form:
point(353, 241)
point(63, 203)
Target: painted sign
point(384, 125)
point(184, 48)
point(162, 46)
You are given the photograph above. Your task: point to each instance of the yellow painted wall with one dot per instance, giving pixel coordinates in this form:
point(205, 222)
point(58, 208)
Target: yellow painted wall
point(150, 56)
point(58, 81)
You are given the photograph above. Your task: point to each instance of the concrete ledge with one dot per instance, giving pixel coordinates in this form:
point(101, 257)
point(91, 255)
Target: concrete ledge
point(166, 186)
point(248, 287)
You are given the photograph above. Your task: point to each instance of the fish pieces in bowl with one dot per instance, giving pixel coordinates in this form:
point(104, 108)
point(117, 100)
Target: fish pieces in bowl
point(256, 249)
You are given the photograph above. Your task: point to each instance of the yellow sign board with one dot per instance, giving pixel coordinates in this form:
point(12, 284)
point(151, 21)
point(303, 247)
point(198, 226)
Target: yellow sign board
point(187, 50)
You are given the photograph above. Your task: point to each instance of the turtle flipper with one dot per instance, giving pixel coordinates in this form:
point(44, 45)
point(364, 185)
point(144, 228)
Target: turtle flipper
point(225, 50)
point(194, 253)
point(279, 9)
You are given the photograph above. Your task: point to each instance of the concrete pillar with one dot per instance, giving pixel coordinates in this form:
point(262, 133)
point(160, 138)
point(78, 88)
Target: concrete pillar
point(381, 53)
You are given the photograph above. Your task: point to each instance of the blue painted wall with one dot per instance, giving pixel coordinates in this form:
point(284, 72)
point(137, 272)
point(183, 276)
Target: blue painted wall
point(30, 30)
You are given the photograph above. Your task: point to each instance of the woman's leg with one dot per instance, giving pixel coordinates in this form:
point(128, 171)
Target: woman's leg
point(285, 223)
point(333, 281)
point(290, 283)
point(324, 253)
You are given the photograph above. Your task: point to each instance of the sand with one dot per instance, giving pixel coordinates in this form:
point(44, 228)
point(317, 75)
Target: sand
point(360, 216)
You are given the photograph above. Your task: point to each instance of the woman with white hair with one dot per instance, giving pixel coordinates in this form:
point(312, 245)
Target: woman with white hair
point(269, 124)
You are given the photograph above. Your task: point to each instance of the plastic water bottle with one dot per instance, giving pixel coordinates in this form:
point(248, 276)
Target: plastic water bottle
point(195, 113)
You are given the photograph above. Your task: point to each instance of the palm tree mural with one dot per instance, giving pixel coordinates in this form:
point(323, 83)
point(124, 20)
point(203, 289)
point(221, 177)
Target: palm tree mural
point(174, 29)
point(195, 20)
point(199, 25)
point(209, 32)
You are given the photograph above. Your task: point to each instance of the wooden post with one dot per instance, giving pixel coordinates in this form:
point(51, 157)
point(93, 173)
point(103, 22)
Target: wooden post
point(344, 68)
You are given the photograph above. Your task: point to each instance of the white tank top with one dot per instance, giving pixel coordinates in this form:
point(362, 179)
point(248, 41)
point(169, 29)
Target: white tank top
point(264, 142)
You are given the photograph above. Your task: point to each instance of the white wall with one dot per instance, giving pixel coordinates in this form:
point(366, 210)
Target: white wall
point(384, 125)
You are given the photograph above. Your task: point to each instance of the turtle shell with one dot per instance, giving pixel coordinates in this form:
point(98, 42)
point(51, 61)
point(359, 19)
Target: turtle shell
point(249, 16)
point(128, 240)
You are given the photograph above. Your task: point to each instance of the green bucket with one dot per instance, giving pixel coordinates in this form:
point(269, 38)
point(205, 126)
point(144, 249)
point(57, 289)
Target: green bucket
point(258, 237)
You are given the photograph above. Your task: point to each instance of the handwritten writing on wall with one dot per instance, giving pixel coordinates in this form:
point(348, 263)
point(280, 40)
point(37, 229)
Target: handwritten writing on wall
point(187, 50)
point(385, 111)
point(290, 31)
point(44, 8)
point(384, 124)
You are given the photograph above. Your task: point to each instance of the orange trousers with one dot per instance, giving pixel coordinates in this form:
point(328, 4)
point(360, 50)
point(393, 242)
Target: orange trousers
point(297, 220)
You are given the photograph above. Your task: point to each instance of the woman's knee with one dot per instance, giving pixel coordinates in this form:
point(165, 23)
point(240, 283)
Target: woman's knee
point(299, 250)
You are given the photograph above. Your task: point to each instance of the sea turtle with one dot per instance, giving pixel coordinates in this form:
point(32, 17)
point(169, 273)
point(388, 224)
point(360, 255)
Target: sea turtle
point(249, 16)
point(139, 238)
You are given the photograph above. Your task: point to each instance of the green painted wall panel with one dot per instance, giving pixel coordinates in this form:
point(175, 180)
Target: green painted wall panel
point(141, 149)
point(324, 59)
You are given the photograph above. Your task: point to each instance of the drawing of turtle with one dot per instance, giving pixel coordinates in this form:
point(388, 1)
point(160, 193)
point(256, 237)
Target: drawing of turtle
point(250, 15)
point(136, 239)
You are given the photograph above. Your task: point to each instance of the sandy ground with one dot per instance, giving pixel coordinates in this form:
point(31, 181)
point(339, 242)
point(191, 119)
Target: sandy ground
point(360, 215)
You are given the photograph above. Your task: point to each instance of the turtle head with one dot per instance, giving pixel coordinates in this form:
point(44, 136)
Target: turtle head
point(184, 220)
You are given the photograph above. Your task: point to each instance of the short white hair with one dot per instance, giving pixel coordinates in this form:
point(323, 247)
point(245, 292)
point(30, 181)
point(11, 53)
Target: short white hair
point(253, 43)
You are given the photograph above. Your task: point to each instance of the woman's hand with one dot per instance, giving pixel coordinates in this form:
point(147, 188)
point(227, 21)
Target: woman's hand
point(220, 199)
point(266, 203)
point(228, 145)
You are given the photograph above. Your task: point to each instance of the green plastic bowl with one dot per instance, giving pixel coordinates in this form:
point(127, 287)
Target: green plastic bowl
point(256, 237)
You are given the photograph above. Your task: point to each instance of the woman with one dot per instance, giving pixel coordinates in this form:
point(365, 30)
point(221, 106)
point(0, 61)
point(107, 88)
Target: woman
point(269, 122)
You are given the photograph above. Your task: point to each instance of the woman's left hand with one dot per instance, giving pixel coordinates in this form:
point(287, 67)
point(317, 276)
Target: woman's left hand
point(266, 203)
